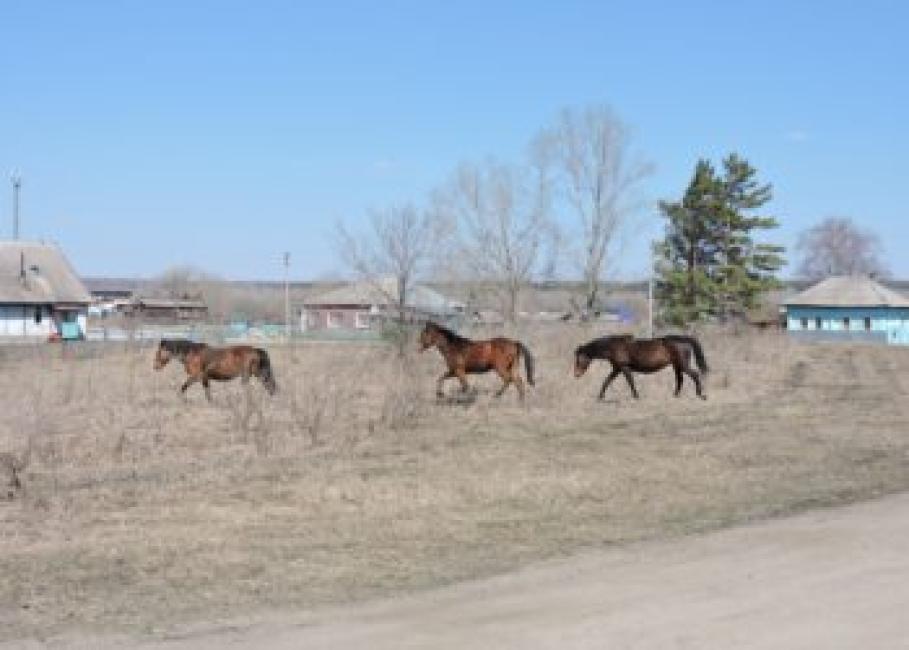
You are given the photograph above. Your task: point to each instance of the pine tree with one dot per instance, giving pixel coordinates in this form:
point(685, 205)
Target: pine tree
point(709, 264)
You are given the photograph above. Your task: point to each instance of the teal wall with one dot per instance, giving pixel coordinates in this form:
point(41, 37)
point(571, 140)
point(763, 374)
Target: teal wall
point(886, 323)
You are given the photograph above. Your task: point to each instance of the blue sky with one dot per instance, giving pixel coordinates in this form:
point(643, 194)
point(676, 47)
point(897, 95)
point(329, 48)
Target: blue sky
point(219, 134)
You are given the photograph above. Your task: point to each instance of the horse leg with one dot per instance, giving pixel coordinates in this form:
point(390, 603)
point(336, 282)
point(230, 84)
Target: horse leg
point(612, 375)
point(462, 377)
point(247, 406)
point(192, 379)
point(448, 374)
point(696, 376)
point(206, 387)
point(519, 383)
point(691, 372)
point(506, 375)
point(630, 379)
point(678, 380)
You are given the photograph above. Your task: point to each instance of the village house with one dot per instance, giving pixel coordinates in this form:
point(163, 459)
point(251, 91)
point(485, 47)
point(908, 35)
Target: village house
point(849, 308)
point(367, 304)
point(110, 295)
point(41, 296)
point(173, 309)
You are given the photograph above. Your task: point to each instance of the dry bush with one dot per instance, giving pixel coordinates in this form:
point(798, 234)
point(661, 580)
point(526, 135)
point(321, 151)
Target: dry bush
point(140, 508)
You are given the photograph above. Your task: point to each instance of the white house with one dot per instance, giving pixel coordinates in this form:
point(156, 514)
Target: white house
point(41, 295)
point(367, 304)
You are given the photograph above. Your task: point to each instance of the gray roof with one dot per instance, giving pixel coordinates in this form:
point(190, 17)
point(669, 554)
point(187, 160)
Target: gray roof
point(384, 293)
point(848, 291)
point(48, 276)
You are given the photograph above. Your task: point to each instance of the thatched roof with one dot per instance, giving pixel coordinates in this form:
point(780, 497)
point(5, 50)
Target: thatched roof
point(35, 273)
point(848, 291)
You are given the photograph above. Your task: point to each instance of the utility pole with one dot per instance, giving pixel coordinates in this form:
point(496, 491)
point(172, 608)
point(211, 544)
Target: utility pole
point(17, 183)
point(287, 327)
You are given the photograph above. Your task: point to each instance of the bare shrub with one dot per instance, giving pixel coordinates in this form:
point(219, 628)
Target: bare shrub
point(11, 468)
point(402, 406)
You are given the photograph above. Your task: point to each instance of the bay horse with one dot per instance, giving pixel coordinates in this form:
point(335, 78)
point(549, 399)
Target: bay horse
point(629, 355)
point(464, 356)
point(203, 363)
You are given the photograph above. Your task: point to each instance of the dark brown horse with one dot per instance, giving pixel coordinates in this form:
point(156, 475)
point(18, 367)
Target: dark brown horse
point(203, 363)
point(464, 357)
point(629, 355)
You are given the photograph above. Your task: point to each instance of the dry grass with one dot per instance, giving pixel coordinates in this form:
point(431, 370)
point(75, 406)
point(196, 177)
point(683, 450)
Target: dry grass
point(140, 511)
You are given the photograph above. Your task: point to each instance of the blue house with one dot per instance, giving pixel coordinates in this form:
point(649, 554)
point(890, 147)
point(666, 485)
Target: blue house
point(849, 308)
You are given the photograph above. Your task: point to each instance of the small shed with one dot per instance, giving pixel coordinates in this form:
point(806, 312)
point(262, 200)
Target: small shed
point(41, 294)
point(849, 308)
point(367, 304)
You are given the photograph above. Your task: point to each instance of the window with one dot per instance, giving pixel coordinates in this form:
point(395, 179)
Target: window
point(867, 324)
point(804, 323)
point(335, 319)
point(846, 323)
point(362, 321)
point(818, 324)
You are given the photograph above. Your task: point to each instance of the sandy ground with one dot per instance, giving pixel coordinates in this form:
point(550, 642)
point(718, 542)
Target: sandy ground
point(829, 579)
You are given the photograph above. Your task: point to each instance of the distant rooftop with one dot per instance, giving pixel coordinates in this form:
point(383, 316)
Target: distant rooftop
point(848, 291)
point(384, 292)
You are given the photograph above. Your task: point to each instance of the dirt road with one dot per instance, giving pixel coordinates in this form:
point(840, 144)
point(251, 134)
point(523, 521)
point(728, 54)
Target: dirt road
point(829, 579)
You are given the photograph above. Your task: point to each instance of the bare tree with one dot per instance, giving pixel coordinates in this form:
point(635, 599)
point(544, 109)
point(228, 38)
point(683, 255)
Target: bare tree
point(838, 246)
point(597, 177)
point(398, 243)
point(500, 213)
point(181, 282)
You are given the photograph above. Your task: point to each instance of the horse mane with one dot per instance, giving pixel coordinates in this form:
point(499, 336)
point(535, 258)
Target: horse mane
point(450, 336)
point(592, 348)
point(181, 346)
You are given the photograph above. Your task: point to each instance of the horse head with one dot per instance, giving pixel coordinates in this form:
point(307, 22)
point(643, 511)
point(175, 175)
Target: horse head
point(430, 336)
point(581, 362)
point(162, 356)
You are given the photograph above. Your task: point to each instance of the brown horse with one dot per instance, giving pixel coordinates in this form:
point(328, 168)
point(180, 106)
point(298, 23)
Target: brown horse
point(464, 357)
point(203, 363)
point(628, 355)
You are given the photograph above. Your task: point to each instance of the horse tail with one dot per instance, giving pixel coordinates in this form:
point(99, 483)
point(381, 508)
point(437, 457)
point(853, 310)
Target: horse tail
point(699, 357)
point(528, 362)
point(265, 371)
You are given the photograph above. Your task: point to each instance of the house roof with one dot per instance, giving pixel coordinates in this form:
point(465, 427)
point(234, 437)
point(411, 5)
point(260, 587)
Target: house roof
point(384, 293)
point(848, 291)
point(37, 273)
